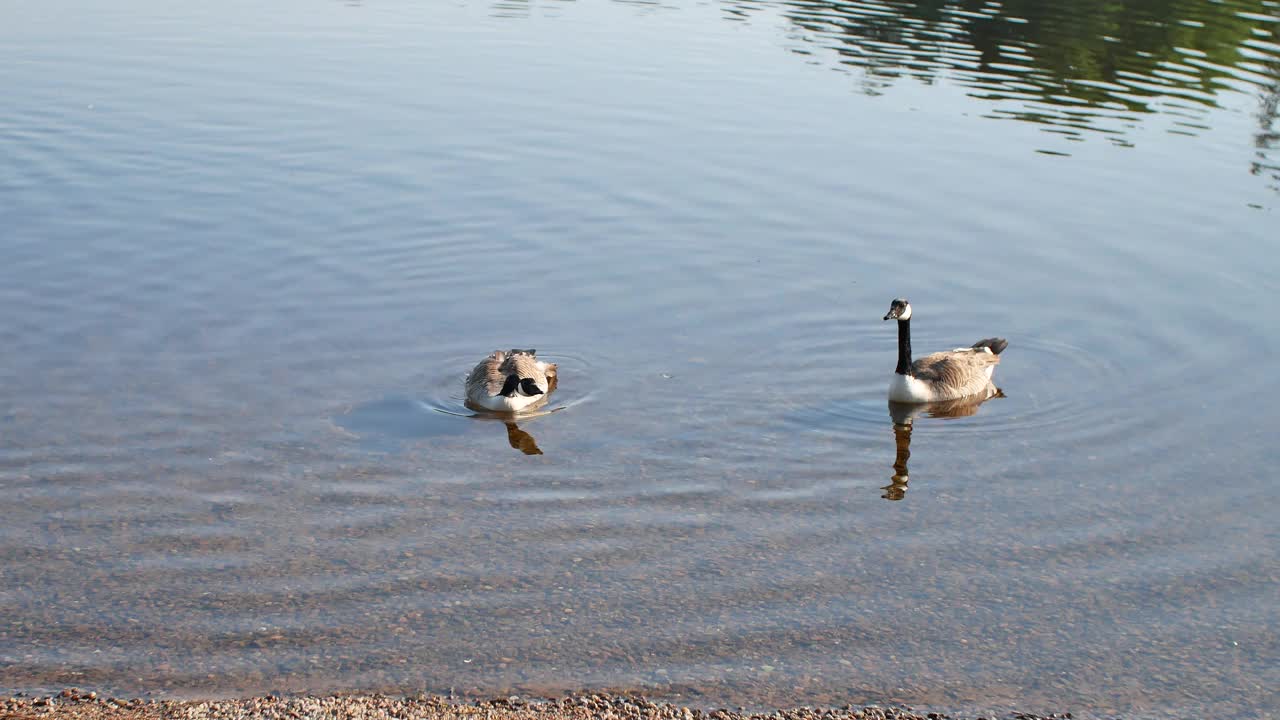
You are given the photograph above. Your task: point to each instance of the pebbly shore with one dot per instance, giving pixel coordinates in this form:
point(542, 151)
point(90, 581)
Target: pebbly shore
point(75, 705)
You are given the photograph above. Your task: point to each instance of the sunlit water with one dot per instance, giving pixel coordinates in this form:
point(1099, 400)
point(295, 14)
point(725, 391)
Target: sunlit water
point(250, 251)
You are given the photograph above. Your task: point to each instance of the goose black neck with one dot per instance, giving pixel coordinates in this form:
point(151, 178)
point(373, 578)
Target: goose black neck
point(904, 347)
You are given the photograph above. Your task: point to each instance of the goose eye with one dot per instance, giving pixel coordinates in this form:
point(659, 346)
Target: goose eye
point(509, 387)
point(530, 387)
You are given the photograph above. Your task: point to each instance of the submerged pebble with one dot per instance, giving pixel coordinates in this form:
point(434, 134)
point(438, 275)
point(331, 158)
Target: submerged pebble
point(76, 705)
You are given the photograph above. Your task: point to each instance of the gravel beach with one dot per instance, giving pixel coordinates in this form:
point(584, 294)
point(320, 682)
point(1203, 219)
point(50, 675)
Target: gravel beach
point(72, 704)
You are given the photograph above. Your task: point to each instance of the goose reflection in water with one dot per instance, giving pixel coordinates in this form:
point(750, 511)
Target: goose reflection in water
point(904, 415)
point(521, 440)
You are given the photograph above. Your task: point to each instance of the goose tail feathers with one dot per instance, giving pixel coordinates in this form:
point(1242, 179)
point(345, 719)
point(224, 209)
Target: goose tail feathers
point(996, 345)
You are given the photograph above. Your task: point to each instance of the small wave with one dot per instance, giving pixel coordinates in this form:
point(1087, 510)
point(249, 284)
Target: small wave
point(1043, 384)
point(436, 406)
point(445, 392)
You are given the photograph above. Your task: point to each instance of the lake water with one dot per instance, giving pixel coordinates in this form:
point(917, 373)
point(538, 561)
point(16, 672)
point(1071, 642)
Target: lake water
point(251, 249)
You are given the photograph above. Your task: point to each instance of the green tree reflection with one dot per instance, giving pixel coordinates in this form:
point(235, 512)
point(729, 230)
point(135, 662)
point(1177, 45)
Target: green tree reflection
point(1078, 68)
point(1267, 141)
point(1086, 65)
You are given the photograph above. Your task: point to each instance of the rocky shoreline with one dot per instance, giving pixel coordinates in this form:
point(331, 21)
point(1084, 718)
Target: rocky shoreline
point(76, 705)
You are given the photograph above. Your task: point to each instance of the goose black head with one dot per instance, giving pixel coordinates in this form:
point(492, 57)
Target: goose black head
point(514, 384)
point(899, 309)
point(509, 387)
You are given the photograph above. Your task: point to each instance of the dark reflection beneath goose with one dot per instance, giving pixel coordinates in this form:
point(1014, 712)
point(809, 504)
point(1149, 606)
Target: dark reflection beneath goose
point(904, 415)
point(897, 487)
point(521, 440)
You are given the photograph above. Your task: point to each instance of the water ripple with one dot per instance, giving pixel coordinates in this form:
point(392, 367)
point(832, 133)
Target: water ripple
point(250, 256)
point(1062, 400)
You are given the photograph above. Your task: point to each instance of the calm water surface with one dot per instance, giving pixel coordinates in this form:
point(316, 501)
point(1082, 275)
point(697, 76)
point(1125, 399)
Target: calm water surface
point(250, 250)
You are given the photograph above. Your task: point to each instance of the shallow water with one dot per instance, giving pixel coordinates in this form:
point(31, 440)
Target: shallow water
point(251, 251)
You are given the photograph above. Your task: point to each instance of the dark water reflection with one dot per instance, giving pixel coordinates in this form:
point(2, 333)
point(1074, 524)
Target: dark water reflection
point(904, 417)
point(1073, 68)
point(1267, 141)
point(251, 249)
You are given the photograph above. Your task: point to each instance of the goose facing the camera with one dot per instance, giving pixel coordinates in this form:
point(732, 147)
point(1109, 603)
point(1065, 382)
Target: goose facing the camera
point(946, 375)
point(510, 381)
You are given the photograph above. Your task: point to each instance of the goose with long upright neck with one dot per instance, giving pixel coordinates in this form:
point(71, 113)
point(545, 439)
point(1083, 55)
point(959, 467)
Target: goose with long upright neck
point(946, 375)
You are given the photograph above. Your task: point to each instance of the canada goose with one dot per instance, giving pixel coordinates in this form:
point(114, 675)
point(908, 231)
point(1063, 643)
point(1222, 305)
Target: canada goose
point(946, 375)
point(510, 381)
